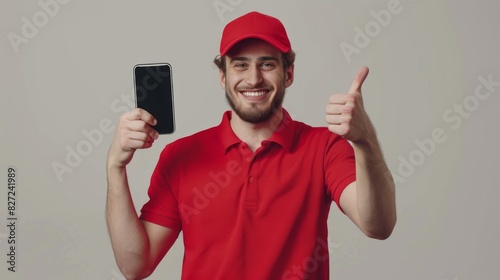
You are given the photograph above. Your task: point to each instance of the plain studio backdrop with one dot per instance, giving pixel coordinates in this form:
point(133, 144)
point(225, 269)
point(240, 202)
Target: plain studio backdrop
point(432, 93)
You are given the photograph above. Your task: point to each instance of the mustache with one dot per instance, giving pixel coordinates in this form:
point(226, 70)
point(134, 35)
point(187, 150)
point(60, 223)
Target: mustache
point(261, 87)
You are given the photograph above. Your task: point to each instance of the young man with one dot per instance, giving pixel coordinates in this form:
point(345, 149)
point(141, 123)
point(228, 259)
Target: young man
point(251, 195)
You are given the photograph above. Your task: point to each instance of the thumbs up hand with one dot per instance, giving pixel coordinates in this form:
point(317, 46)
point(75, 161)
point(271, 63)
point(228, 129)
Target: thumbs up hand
point(346, 115)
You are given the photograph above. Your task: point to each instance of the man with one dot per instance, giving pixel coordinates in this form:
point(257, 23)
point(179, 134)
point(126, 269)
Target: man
point(251, 195)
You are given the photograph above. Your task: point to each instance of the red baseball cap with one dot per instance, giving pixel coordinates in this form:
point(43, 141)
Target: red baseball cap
point(255, 25)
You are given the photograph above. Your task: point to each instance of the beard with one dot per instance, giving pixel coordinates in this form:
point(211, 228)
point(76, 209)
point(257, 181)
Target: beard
point(255, 114)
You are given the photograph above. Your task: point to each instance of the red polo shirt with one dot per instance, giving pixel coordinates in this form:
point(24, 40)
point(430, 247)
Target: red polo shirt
point(245, 215)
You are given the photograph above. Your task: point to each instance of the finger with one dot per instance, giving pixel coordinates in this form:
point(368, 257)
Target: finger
point(142, 127)
point(358, 81)
point(141, 114)
point(138, 125)
point(334, 119)
point(337, 109)
point(340, 98)
point(341, 129)
point(139, 136)
point(334, 109)
point(137, 144)
point(137, 140)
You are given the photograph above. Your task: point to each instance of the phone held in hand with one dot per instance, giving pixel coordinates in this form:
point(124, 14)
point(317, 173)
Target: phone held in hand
point(154, 93)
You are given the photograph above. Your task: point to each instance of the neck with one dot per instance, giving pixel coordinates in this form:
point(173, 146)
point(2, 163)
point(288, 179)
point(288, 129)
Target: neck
point(254, 133)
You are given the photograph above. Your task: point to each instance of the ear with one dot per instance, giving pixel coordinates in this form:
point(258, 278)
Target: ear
point(222, 79)
point(289, 74)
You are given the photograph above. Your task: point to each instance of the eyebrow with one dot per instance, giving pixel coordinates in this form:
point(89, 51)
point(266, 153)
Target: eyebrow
point(259, 59)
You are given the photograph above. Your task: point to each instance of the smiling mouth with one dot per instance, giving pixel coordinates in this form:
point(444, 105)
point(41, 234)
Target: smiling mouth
point(254, 93)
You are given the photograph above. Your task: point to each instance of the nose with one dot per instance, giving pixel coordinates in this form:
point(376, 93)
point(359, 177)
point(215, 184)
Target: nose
point(254, 76)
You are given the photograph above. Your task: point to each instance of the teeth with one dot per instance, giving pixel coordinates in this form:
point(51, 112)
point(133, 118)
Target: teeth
point(253, 93)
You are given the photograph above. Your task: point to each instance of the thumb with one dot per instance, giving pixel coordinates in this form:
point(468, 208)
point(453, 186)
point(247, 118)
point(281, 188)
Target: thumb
point(359, 79)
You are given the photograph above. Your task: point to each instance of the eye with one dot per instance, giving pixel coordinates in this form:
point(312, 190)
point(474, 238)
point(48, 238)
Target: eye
point(240, 65)
point(268, 65)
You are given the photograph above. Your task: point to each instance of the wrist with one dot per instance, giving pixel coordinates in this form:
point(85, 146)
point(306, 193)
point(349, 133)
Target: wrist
point(368, 143)
point(112, 165)
point(368, 148)
point(118, 159)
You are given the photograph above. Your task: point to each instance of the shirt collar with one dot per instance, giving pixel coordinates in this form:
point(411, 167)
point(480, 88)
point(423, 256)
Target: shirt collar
point(283, 135)
point(227, 135)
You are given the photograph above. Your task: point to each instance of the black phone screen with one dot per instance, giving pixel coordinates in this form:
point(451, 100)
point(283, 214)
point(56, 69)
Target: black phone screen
point(153, 93)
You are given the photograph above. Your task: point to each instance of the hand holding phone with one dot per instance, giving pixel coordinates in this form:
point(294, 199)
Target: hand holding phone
point(154, 93)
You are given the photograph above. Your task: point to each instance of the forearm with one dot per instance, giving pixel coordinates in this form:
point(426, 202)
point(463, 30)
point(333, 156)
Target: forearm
point(128, 237)
point(375, 190)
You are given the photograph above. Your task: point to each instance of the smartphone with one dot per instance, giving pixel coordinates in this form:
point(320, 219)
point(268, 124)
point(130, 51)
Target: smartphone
point(154, 93)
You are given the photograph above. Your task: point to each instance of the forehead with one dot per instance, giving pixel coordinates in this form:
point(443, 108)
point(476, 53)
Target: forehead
point(253, 48)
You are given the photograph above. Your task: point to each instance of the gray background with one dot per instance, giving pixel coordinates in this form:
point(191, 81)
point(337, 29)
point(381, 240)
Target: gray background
point(76, 70)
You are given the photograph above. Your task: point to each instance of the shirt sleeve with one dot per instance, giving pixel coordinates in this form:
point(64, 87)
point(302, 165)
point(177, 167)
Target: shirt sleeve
point(340, 167)
point(162, 207)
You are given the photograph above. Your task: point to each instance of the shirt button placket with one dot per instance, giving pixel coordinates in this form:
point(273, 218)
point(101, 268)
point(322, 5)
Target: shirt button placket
point(251, 183)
